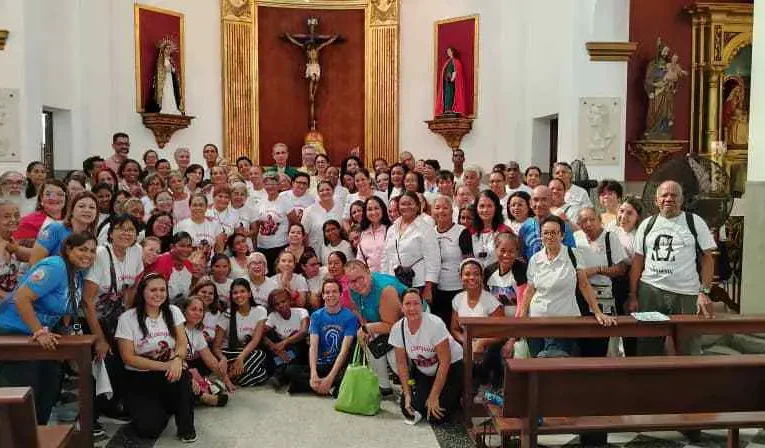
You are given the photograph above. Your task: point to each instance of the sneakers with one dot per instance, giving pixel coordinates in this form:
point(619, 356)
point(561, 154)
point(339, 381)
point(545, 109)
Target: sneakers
point(413, 421)
point(99, 434)
point(189, 437)
point(386, 391)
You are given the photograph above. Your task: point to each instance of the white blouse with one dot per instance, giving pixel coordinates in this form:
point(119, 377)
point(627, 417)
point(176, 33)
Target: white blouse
point(417, 247)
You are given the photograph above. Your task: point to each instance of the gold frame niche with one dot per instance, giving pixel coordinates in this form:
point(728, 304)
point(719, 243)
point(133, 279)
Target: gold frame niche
point(137, 44)
point(476, 18)
point(241, 85)
point(720, 31)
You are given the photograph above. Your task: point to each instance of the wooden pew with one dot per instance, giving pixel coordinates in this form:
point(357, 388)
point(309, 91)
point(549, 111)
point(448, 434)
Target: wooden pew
point(587, 327)
point(76, 348)
point(18, 425)
point(643, 394)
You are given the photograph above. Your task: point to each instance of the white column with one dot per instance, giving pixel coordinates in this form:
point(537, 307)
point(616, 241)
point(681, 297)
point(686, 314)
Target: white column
point(752, 298)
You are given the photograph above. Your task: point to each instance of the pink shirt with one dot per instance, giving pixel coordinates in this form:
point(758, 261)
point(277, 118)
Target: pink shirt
point(113, 163)
point(372, 247)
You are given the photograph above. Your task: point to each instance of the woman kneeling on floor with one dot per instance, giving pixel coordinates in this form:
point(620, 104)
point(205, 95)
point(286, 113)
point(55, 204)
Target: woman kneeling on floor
point(201, 361)
point(153, 345)
point(286, 331)
point(422, 339)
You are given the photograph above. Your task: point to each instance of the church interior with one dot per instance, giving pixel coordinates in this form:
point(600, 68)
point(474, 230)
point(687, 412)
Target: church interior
point(636, 91)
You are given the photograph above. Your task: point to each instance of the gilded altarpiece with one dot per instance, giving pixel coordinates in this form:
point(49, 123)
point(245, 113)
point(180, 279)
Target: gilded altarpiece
point(241, 84)
point(720, 85)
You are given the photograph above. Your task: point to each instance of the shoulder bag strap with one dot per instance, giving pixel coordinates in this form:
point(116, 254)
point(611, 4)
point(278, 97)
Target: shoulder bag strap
point(571, 256)
point(112, 272)
point(692, 227)
point(608, 250)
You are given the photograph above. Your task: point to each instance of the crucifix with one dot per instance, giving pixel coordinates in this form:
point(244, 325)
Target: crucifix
point(312, 44)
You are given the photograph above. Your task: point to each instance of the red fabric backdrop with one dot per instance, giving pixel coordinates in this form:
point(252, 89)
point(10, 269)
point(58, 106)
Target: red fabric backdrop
point(283, 89)
point(459, 35)
point(650, 19)
point(153, 26)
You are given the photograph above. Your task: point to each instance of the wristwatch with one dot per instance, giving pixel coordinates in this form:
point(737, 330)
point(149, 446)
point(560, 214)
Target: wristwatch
point(705, 291)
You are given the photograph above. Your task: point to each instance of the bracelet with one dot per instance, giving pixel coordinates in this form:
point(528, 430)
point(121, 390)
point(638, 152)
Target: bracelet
point(40, 332)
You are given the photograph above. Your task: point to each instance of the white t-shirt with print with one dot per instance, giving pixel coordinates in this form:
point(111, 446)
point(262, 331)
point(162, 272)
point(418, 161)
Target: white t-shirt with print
point(197, 343)
point(421, 346)
point(273, 223)
point(245, 325)
point(224, 290)
point(260, 292)
point(228, 219)
point(670, 261)
point(207, 231)
point(287, 327)
point(126, 272)
point(486, 305)
point(504, 285)
point(158, 344)
point(209, 323)
point(297, 282)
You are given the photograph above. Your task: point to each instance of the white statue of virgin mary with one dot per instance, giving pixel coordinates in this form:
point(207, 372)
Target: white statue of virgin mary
point(167, 89)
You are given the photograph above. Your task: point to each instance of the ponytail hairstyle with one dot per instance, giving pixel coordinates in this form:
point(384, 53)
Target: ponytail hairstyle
point(164, 308)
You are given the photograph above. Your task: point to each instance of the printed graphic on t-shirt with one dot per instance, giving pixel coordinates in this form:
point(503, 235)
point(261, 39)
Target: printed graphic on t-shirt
point(333, 338)
point(505, 294)
point(269, 226)
point(9, 276)
point(421, 360)
point(162, 352)
point(662, 249)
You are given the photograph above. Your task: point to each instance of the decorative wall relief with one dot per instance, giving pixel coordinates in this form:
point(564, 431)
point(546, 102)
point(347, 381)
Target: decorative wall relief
point(599, 130)
point(9, 125)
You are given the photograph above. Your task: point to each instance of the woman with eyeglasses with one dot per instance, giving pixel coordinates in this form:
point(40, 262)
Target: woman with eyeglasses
point(44, 306)
point(260, 284)
point(108, 291)
point(153, 344)
point(554, 274)
point(81, 217)
point(422, 339)
point(52, 204)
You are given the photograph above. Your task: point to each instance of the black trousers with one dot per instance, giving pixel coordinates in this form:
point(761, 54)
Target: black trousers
point(449, 399)
point(442, 305)
point(490, 370)
point(44, 377)
point(299, 377)
point(153, 399)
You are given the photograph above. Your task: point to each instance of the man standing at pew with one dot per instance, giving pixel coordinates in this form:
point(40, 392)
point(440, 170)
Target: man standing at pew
point(672, 267)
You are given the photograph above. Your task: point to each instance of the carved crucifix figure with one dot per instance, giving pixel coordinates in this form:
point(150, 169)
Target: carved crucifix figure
point(312, 44)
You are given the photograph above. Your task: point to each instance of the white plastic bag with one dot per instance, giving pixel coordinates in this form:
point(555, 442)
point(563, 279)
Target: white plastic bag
point(103, 384)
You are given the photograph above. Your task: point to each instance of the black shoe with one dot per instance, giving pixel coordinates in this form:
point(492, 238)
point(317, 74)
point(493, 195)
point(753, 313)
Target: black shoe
point(189, 437)
point(386, 391)
point(98, 431)
point(117, 412)
point(67, 397)
point(222, 400)
point(693, 436)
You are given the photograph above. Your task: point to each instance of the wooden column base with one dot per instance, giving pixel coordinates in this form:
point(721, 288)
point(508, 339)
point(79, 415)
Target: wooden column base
point(652, 153)
point(164, 125)
point(452, 129)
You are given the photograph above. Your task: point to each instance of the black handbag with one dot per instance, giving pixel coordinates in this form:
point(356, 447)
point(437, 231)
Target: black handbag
point(404, 274)
point(379, 346)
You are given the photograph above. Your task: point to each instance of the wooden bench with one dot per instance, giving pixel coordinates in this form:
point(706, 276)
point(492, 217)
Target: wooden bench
point(18, 424)
point(75, 348)
point(679, 326)
point(631, 394)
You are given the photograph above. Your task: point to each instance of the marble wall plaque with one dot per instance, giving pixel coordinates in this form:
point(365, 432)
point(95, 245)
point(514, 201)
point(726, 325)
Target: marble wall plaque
point(599, 129)
point(9, 125)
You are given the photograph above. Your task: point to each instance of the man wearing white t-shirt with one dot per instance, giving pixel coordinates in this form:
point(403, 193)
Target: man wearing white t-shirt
point(514, 179)
point(664, 274)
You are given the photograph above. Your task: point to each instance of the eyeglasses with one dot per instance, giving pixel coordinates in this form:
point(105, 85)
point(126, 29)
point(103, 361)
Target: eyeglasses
point(13, 182)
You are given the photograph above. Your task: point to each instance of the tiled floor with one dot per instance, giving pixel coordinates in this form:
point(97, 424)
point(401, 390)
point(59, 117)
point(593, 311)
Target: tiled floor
point(265, 417)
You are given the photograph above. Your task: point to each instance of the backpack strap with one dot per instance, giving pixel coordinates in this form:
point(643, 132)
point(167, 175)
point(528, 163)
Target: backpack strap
point(571, 256)
point(692, 227)
point(103, 224)
point(648, 228)
point(608, 250)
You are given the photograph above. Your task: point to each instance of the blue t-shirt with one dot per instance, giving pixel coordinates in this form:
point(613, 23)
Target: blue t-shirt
point(530, 236)
point(369, 305)
point(332, 329)
point(48, 280)
point(52, 236)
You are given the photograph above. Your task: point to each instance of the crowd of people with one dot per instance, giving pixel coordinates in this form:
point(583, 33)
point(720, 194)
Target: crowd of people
point(197, 279)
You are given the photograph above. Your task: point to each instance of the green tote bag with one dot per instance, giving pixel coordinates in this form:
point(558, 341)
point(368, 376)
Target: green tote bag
point(359, 391)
